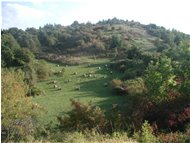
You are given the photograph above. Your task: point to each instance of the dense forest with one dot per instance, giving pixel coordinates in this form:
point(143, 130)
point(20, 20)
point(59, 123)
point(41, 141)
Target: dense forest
point(146, 77)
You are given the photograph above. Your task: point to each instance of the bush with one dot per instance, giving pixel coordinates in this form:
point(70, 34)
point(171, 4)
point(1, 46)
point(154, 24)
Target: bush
point(116, 83)
point(130, 74)
point(42, 70)
point(30, 74)
point(118, 87)
point(146, 134)
point(83, 117)
point(89, 137)
point(118, 122)
point(135, 86)
point(18, 112)
point(35, 91)
point(176, 137)
point(170, 115)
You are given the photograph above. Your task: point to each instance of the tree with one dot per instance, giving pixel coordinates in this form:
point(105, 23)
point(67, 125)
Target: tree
point(159, 77)
point(75, 24)
point(18, 112)
point(184, 66)
point(9, 46)
point(116, 42)
point(134, 53)
point(42, 70)
point(23, 56)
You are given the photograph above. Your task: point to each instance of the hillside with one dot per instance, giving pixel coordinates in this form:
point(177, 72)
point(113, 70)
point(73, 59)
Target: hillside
point(102, 38)
point(113, 81)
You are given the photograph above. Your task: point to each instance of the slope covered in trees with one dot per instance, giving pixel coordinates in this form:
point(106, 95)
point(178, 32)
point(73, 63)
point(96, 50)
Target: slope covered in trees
point(100, 38)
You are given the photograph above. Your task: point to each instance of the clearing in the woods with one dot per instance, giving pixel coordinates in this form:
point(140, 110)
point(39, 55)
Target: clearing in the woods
point(86, 82)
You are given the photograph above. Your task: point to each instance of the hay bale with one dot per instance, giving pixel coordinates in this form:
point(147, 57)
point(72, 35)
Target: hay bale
point(59, 88)
point(77, 88)
point(75, 73)
point(105, 84)
point(104, 76)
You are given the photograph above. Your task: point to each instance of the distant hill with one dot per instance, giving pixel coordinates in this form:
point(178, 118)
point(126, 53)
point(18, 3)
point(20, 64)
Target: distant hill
point(104, 37)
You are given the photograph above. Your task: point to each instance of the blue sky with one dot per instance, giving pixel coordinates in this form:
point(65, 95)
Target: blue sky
point(35, 13)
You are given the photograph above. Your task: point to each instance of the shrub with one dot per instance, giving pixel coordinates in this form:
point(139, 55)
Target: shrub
point(83, 117)
point(89, 137)
point(146, 134)
point(42, 70)
point(116, 83)
point(18, 112)
point(35, 91)
point(118, 86)
point(168, 115)
point(30, 74)
point(172, 115)
point(135, 86)
point(118, 122)
point(175, 137)
point(130, 74)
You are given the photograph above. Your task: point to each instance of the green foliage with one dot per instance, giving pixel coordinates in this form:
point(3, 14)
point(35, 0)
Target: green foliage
point(134, 53)
point(35, 91)
point(160, 77)
point(133, 63)
point(118, 122)
point(9, 41)
point(18, 112)
point(119, 87)
point(116, 42)
point(135, 86)
point(30, 74)
point(147, 133)
point(23, 57)
point(130, 73)
point(88, 137)
point(9, 46)
point(12, 54)
point(106, 36)
point(83, 117)
point(116, 83)
point(25, 39)
point(118, 38)
point(184, 67)
point(169, 38)
point(131, 87)
point(42, 70)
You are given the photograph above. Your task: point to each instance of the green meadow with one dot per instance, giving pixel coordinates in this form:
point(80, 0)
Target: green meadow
point(74, 85)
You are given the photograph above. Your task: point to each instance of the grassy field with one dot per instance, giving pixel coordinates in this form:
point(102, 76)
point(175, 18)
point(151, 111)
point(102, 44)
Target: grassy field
point(57, 102)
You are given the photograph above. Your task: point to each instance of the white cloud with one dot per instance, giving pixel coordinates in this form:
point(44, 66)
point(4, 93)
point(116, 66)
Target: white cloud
point(27, 12)
point(22, 16)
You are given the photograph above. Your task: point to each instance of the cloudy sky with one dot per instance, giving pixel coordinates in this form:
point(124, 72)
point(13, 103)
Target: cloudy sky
point(34, 13)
